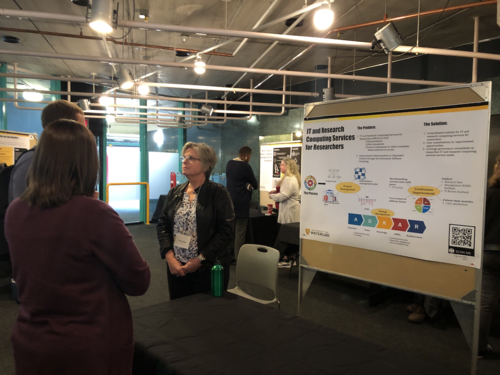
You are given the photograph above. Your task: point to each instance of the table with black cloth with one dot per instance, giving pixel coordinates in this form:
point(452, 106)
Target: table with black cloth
point(289, 234)
point(262, 229)
point(231, 335)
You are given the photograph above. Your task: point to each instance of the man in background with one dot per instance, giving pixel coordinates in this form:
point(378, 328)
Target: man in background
point(240, 183)
point(58, 110)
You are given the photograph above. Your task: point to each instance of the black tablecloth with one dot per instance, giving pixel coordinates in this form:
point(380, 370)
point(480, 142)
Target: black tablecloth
point(289, 234)
point(201, 334)
point(262, 229)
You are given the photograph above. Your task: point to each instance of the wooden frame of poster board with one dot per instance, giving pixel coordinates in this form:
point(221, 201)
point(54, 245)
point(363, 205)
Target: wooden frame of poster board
point(461, 285)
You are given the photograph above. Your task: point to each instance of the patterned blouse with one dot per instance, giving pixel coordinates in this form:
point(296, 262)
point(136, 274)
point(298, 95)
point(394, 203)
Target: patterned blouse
point(185, 223)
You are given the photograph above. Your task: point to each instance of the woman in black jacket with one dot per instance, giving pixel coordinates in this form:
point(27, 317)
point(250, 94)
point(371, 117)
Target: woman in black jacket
point(491, 259)
point(196, 226)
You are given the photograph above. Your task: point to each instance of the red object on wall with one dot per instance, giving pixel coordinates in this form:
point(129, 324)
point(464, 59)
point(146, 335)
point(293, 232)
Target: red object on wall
point(277, 205)
point(173, 179)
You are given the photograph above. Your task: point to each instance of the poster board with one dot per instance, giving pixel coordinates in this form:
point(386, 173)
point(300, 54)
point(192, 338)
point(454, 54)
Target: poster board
point(271, 155)
point(370, 260)
point(13, 144)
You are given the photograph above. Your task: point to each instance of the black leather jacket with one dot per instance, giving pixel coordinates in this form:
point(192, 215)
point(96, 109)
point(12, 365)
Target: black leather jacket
point(214, 221)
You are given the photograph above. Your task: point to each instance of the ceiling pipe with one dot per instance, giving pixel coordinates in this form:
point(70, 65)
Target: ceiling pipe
point(165, 98)
point(259, 22)
point(247, 34)
point(270, 48)
point(409, 16)
point(229, 89)
point(475, 48)
point(120, 43)
point(279, 20)
point(194, 30)
point(169, 85)
point(234, 68)
point(389, 71)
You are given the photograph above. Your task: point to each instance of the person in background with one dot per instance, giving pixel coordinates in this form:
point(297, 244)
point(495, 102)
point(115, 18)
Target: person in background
point(490, 292)
point(196, 226)
point(289, 195)
point(74, 262)
point(57, 110)
point(240, 183)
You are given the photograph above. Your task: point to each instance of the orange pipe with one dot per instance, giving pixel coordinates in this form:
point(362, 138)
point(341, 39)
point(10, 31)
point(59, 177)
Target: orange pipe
point(414, 15)
point(81, 36)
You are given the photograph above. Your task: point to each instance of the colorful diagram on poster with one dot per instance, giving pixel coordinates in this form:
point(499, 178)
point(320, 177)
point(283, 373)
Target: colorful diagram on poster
point(423, 205)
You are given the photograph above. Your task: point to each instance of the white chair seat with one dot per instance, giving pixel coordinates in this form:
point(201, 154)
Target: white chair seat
point(241, 293)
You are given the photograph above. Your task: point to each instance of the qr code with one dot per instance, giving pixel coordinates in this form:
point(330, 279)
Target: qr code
point(462, 236)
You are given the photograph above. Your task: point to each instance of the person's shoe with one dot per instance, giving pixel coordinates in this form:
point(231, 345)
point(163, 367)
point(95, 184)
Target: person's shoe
point(418, 316)
point(484, 353)
point(284, 265)
point(411, 308)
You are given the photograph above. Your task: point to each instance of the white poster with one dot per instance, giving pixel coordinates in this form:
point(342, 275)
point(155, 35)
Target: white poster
point(270, 160)
point(410, 184)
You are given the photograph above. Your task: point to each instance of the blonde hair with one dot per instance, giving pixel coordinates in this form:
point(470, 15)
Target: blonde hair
point(494, 180)
point(207, 155)
point(291, 170)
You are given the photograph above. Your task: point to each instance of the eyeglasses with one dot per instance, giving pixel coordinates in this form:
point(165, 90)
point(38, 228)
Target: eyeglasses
point(188, 159)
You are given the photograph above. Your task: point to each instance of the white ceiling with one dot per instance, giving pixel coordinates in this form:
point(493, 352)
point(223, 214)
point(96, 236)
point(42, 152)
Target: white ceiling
point(454, 28)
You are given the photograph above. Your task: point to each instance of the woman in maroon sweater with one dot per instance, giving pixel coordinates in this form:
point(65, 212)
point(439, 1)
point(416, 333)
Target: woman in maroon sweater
point(74, 261)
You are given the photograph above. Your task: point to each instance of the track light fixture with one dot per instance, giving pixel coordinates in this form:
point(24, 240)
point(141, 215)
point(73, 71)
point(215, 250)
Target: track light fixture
point(199, 65)
point(101, 17)
point(32, 96)
point(84, 104)
point(388, 38)
point(207, 110)
point(105, 101)
point(323, 18)
point(125, 79)
point(143, 89)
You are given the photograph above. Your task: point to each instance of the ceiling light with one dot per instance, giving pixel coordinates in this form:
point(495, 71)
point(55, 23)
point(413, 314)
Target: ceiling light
point(201, 34)
point(388, 38)
point(124, 79)
point(101, 17)
point(298, 133)
point(323, 18)
point(105, 100)
point(199, 65)
point(159, 138)
point(33, 96)
point(207, 110)
point(143, 89)
point(84, 104)
point(142, 16)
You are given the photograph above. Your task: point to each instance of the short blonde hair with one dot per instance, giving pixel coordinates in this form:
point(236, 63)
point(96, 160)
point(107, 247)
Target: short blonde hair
point(206, 153)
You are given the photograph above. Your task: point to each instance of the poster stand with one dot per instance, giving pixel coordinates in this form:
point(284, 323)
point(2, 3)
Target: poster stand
point(13, 144)
point(459, 284)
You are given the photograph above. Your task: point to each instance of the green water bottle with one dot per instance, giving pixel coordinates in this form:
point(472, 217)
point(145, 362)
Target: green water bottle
point(217, 279)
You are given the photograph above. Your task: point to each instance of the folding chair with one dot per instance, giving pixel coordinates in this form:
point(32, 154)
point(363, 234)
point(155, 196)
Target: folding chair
point(257, 265)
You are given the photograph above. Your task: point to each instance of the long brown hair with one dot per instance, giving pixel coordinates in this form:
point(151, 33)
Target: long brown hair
point(494, 180)
point(65, 164)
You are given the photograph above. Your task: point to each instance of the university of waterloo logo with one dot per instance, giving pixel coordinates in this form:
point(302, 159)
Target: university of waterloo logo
point(308, 231)
point(310, 183)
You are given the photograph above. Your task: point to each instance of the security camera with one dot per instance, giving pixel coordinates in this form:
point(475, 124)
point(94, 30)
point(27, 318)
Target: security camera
point(184, 38)
point(388, 38)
